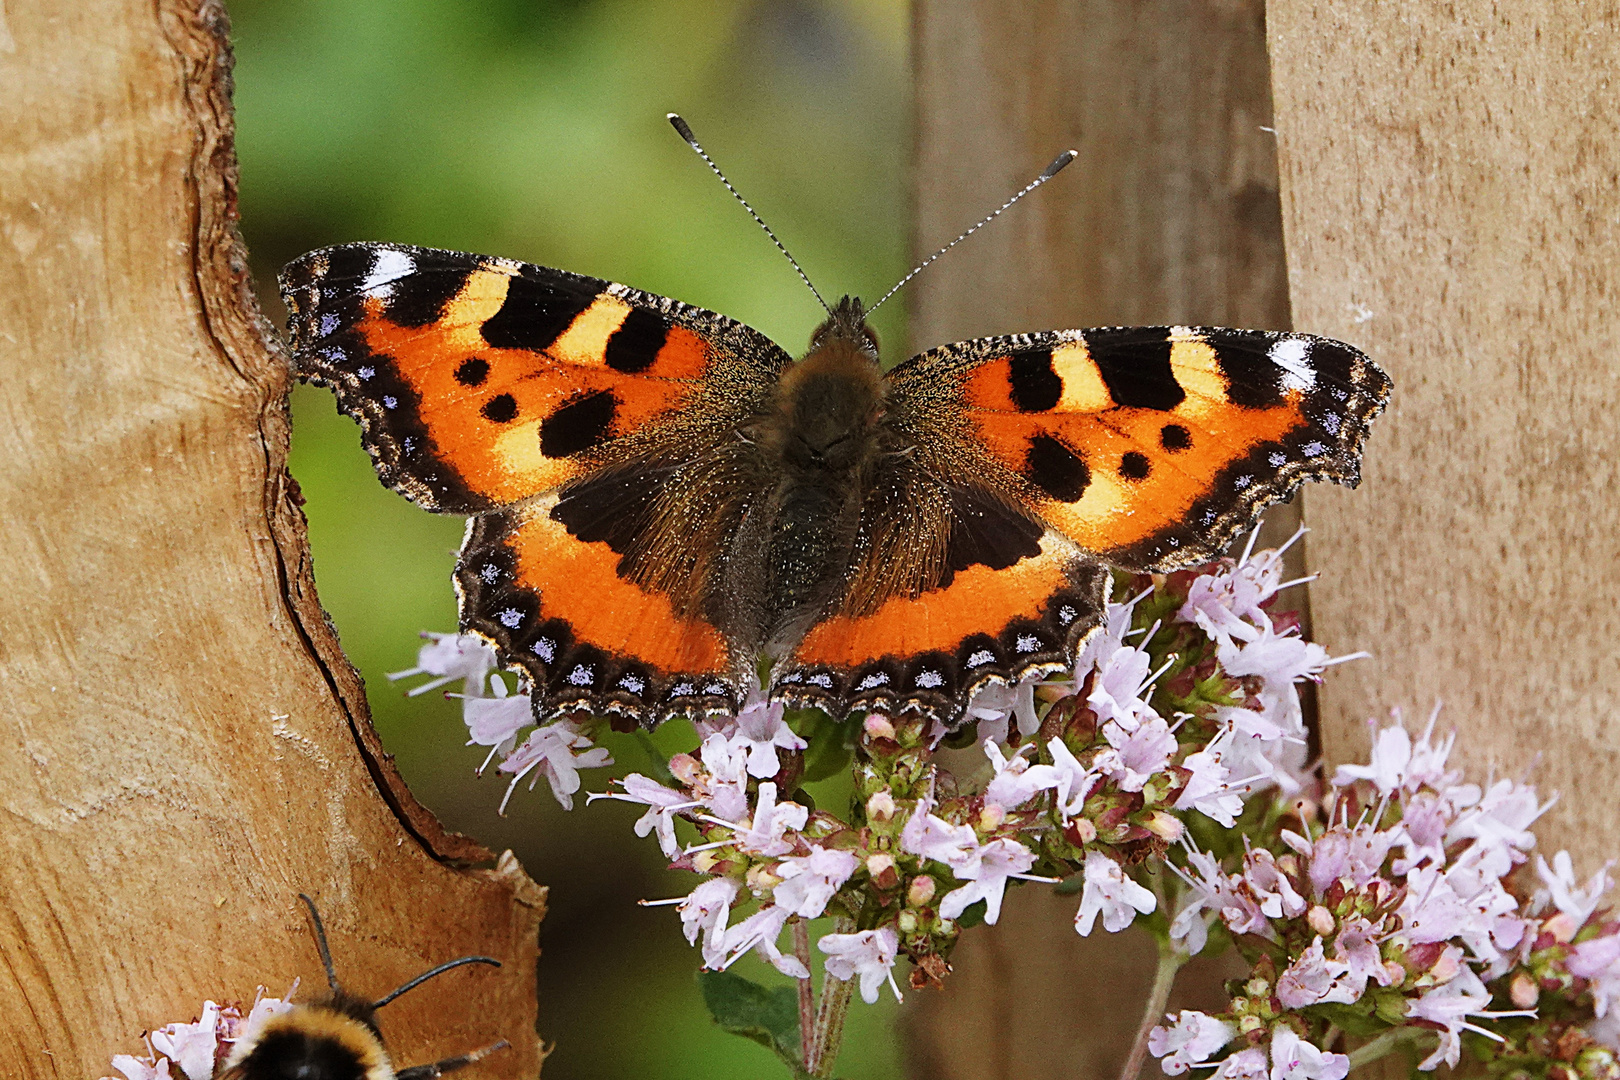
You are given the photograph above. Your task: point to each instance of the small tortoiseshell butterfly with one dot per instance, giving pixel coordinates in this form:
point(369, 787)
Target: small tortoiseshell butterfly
point(664, 503)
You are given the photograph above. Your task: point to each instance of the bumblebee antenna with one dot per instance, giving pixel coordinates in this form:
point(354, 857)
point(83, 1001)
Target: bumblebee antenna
point(1047, 174)
point(426, 975)
point(685, 132)
point(450, 1064)
point(320, 942)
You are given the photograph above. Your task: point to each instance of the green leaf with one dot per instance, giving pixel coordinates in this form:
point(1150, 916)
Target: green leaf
point(832, 744)
point(769, 1015)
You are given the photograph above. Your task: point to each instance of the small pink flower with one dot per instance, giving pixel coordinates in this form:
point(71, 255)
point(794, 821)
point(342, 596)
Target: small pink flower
point(767, 833)
point(931, 837)
point(1292, 1058)
point(1016, 781)
point(809, 881)
point(1137, 754)
point(1189, 1040)
point(557, 751)
point(495, 721)
point(191, 1046)
point(1566, 896)
point(1074, 781)
point(705, 911)
point(134, 1068)
point(1119, 692)
point(998, 860)
point(868, 955)
point(1251, 1064)
point(759, 932)
point(662, 805)
point(1206, 789)
point(1109, 893)
point(448, 657)
point(1313, 979)
point(762, 731)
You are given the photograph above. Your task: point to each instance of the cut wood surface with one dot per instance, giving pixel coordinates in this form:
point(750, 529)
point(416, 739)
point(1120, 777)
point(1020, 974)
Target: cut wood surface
point(1169, 215)
point(1451, 193)
point(184, 746)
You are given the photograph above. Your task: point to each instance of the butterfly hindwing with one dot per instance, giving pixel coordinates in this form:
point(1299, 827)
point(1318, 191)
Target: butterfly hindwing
point(1149, 447)
point(558, 608)
point(480, 381)
point(953, 586)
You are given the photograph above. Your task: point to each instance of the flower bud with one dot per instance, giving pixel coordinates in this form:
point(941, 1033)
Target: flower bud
point(686, 768)
point(1250, 1023)
point(1394, 972)
point(880, 807)
point(881, 867)
point(761, 880)
point(1523, 991)
point(992, 816)
point(907, 922)
point(1081, 831)
point(1257, 987)
point(1562, 927)
point(921, 891)
point(878, 727)
point(1164, 825)
point(947, 926)
point(1320, 920)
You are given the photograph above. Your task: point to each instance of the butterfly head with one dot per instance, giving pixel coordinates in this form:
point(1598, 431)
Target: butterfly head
point(846, 326)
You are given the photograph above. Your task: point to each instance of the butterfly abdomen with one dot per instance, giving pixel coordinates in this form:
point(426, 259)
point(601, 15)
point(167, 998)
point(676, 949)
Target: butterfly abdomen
point(819, 440)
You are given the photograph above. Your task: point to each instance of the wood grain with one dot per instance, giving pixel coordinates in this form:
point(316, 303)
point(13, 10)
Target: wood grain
point(1452, 205)
point(185, 747)
point(1169, 215)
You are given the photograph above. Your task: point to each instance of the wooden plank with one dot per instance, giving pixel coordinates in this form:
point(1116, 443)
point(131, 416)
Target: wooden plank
point(1451, 204)
point(1170, 215)
point(185, 747)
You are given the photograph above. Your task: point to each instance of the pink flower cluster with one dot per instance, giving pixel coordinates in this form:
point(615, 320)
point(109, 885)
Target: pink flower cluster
point(1182, 703)
point(197, 1048)
point(1399, 904)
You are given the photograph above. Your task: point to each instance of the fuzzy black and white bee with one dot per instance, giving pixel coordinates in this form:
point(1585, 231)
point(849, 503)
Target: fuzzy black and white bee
point(337, 1038)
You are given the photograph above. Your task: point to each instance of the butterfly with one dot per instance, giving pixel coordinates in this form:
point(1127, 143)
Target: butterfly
point(665, 506)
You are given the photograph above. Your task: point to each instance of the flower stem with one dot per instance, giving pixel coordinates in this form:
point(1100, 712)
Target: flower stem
point(658, 765)
point(1385, 1044)
point(829, 1026)
point(836, 995)
point(1164, 977)
point(807, 993)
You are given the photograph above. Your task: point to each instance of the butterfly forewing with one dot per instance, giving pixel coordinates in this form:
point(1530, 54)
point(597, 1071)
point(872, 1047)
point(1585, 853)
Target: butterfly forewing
point(1150, 447)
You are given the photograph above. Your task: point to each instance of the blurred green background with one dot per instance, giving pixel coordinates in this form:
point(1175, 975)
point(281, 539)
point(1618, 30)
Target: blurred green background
point(535, 129)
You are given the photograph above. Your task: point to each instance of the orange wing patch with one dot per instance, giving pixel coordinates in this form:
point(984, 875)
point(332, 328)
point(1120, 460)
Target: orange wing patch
point(556, 606)
point(932, 651)
point(479, 382)
point(1151, 446)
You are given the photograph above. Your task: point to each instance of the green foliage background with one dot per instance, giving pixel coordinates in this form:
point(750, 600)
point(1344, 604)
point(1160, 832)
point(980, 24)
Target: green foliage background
point(535, 129)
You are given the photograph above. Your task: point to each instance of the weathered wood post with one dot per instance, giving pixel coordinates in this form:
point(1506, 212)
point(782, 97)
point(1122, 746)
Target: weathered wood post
point(184, 746)
point(1451, 204)
point(1169, 215)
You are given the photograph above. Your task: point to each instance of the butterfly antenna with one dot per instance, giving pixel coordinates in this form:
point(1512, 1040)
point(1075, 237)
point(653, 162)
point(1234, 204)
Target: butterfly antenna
point(1050, 171)
point(320, 943)
point(685, 132)
point(440, 970)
